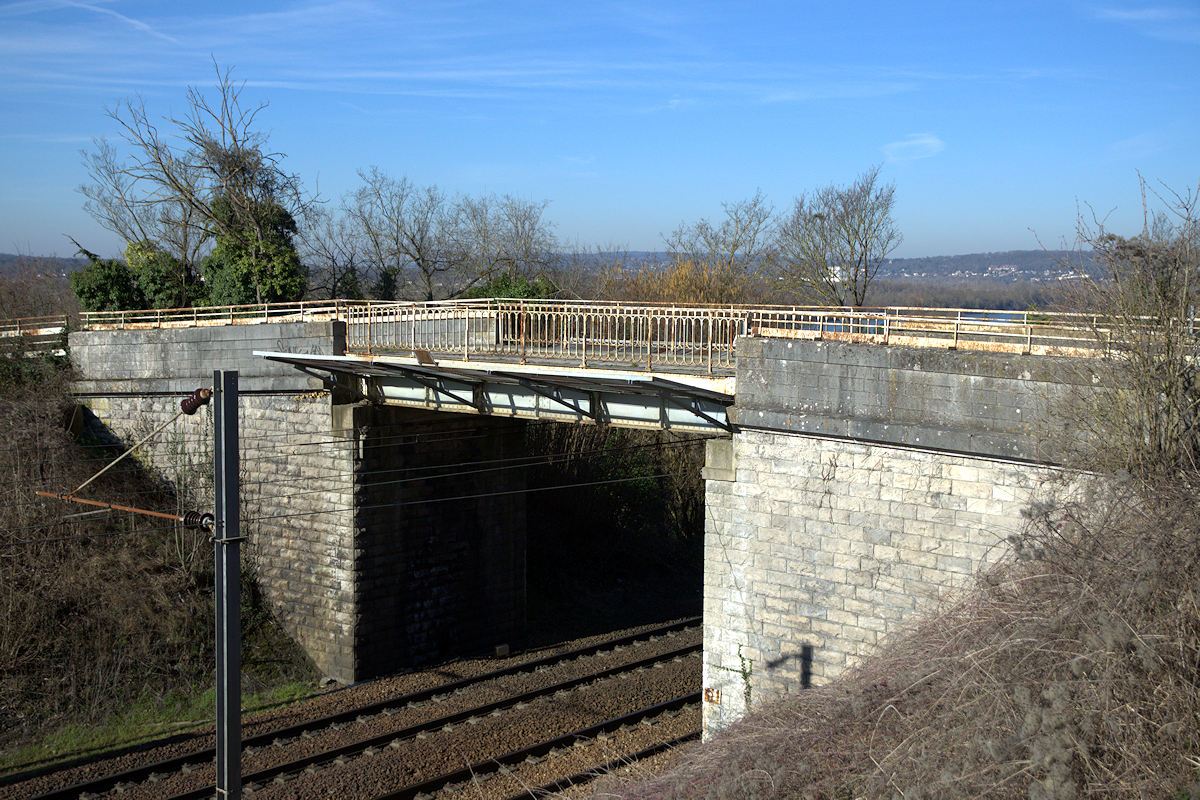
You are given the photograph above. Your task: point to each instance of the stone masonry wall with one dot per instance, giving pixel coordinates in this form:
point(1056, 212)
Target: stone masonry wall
point(365, 573)
point(968, 402)
point(862, 485)
point(822, 547)
point(297, 502)
point(441, 527)
point(296, 470)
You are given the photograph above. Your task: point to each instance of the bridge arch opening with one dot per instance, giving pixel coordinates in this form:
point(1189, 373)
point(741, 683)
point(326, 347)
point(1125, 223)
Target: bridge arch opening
point(615, 528)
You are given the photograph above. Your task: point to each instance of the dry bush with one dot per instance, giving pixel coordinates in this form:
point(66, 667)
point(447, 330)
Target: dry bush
point(683, 280)
point(1070, 671)
point(1139, 408)
point(115, 608)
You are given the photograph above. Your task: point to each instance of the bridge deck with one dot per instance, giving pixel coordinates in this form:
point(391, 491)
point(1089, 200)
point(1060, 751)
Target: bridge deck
point(680, 339)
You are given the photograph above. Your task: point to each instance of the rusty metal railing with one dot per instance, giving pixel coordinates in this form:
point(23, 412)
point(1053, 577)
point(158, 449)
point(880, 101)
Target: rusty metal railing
point(34, 335)
point(635, 335)
point(199, 316)
point(692, 337)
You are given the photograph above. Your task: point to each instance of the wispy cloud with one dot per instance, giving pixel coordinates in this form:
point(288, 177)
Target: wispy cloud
point(47, 138)
point(913, 147)
point(1167, 22)
point(1160, 14)
point(1135, 148)
point(135, 23)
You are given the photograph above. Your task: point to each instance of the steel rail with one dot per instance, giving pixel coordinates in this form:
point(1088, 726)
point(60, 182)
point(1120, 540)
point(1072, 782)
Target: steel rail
point(541, 748)
point(205, 755)
point(586, 776)
point(381, 740)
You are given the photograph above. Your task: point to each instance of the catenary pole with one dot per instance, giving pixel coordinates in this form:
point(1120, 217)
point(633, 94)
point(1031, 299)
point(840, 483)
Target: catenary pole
point(227, 579)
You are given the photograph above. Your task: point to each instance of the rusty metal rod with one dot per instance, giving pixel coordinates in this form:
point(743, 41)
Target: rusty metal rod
point(114, 506)
point(114, 462)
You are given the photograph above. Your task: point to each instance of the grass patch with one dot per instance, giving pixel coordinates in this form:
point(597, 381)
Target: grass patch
point(148, 718)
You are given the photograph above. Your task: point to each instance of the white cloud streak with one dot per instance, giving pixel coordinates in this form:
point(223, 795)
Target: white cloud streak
point(914, 147)
point(1170, 23)
point(135, 23)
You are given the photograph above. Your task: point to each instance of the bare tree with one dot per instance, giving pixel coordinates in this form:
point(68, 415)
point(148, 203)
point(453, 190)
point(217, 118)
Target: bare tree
point(1139, 408)
point(336, 256)
point(116, 201)
point(206, 174)
point(438, 247)
point(407, 233)
point(834, 241)
point(726, 262)
point(502, 234)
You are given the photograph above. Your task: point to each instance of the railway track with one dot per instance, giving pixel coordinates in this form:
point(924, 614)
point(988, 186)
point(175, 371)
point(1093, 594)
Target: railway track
point(468, 723)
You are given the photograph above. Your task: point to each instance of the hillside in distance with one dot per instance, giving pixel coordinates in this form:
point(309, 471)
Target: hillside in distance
point(11, 264)
point(1009, 266)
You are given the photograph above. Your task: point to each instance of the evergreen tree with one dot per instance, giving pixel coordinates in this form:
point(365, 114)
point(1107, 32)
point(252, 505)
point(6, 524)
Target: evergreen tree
point(106, 284)
point(254, 261)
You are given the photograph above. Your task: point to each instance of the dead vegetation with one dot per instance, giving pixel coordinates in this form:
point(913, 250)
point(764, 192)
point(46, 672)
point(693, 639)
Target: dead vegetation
point(1071, 669)
point(101, 611)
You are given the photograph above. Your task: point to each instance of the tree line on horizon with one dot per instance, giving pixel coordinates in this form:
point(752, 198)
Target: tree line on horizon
point(211, 216)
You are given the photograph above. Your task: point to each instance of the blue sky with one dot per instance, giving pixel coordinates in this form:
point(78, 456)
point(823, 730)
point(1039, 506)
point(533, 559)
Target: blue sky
point(992, 118)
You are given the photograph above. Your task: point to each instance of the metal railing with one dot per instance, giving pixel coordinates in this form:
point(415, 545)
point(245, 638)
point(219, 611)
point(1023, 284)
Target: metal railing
point(693, 337)
point(635, 335)
point(198, 316)
point(33, 335)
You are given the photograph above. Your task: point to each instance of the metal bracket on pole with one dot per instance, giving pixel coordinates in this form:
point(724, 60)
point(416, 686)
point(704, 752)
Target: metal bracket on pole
point(227, 584)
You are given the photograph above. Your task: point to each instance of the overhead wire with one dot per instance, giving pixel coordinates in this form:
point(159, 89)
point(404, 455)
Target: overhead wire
point(371, 507)
point(516, 462)
point(431, 500)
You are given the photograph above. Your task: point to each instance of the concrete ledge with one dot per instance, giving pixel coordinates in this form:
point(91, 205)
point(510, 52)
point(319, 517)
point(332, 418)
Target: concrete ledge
point(986, 404)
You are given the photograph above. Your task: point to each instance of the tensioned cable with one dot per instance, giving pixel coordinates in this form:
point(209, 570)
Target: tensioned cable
point(200, 439)
point(378, 484)
point(515, 462)
point(460, 497)
point(529, 461)
point(268, 518)
point(374, 440)
point(403, 427)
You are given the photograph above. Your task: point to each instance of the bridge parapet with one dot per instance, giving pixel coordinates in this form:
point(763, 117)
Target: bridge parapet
point(654, 337)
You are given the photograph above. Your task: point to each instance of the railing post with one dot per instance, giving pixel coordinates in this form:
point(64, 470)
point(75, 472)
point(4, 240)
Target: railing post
point(523, 322)
point(466, 334)
point(583, 354)
point(649, 339)
point(709, 319)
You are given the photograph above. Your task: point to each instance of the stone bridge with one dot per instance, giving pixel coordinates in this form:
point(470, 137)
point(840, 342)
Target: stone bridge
point(869, 461)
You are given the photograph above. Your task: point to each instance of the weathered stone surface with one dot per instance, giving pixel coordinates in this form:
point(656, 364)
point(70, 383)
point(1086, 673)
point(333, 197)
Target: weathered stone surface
point(968, 402)
point(867, 484)
point(361, 554)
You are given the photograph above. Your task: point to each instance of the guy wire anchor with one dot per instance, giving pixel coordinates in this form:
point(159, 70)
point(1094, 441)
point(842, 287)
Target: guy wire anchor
point(195, 520)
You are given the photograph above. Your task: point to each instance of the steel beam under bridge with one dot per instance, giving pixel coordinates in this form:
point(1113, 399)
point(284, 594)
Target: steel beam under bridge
point(530, 391)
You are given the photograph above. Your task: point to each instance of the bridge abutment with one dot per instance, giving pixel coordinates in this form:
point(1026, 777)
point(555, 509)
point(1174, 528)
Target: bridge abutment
point(370, 562)
point(862, 485)
point(439, 535)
